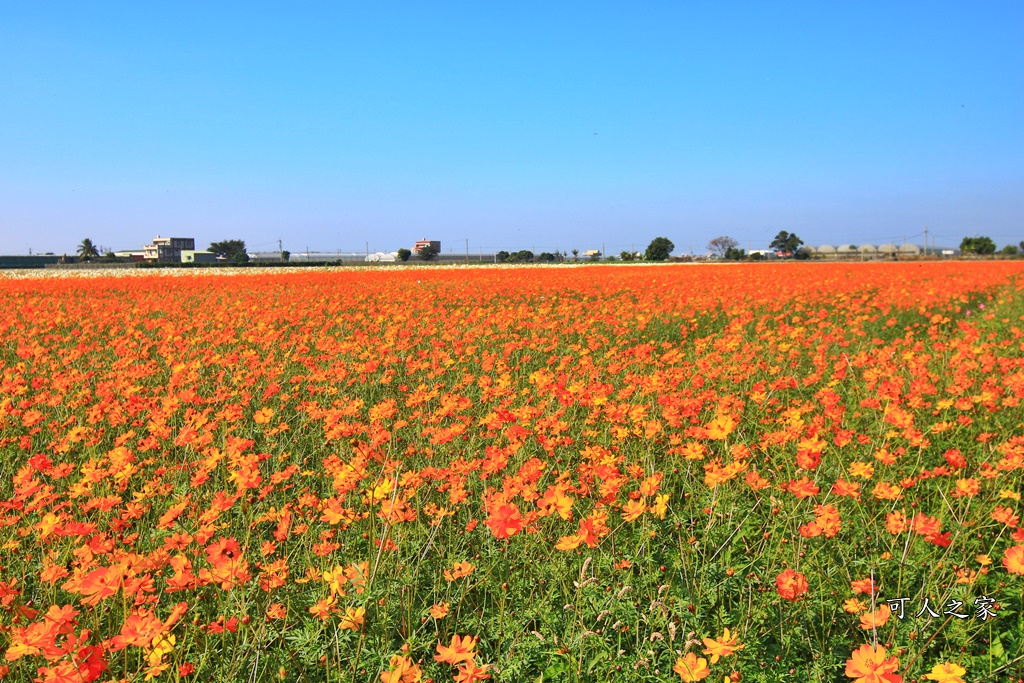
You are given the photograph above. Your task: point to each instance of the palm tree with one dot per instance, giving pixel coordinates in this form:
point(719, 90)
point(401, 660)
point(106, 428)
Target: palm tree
point(87, 250)
point(575, 253)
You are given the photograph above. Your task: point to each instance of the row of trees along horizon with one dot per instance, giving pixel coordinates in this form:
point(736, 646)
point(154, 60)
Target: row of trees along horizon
point(660, 248)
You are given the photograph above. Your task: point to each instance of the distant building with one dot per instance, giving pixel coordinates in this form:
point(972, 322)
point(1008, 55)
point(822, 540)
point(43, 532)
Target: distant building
point(168, 249)
point(267, 256)
point(423, 243)
point(133, 256)
point(194, 256)
point(382, 257)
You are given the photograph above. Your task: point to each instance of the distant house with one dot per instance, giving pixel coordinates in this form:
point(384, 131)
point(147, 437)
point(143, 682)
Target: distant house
point(194, 256)
point(424, 243)
point(168, 249)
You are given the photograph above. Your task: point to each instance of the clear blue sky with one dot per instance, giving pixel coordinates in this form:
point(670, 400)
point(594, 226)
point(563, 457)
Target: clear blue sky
point(513, 124)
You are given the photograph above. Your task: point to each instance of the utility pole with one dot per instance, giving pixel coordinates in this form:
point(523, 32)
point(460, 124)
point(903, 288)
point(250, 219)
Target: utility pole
point(467, 250)
point(926, 240)
point(602, 251)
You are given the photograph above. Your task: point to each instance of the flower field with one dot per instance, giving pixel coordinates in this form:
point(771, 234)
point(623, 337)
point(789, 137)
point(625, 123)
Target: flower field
point(759, 473)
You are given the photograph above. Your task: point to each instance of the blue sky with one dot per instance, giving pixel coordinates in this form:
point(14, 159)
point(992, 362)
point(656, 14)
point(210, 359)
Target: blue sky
point(513, 125)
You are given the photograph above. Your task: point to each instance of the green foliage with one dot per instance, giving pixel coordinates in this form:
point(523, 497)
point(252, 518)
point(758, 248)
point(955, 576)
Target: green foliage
point(228, 249)
point(87, 250)
point(977, 245)
point(627, 256)
point(521, 256)
point(502, 256)
point(787, 242)
point(734, 254)
point(404, 254)
point(659, 249)
point(545, 257)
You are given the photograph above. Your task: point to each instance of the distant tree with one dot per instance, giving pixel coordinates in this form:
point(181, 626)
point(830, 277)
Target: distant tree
point(977, 245)
point(659, 249)
point(238, 258)
point(428, 252)
point(502, 256)
point(626, 256)
point(734, 254)
point(546, 257)
point(1021, 245)
point(720, 246)
point(756, 256)
point(404, 254)
point(523, 255)
point(285, 255)
point(1010, 250)
point(87, 250)
point(804, 253)
point(787, 242)
point(575, 254)
point(228, 249)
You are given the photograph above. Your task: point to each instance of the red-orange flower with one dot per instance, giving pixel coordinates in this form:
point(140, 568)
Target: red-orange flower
point(791, 585)
point(505, 521)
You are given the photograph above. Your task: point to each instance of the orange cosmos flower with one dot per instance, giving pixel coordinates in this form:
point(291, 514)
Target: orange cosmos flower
point(875, 619)
point(723, 647)
point(1013, 560)
point(632, 510)
point(323, 609)
point(721, 427)
point(1005, 515)
point(505, 521)
point(869, 665)
point(692, 668)
point(401, 670)
point(460, 570)
point(460, 650)
point(803, 488)
point(853, 605)
point(353, 619)
point(791, 585)
point(439, 611)
point(470, 671)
